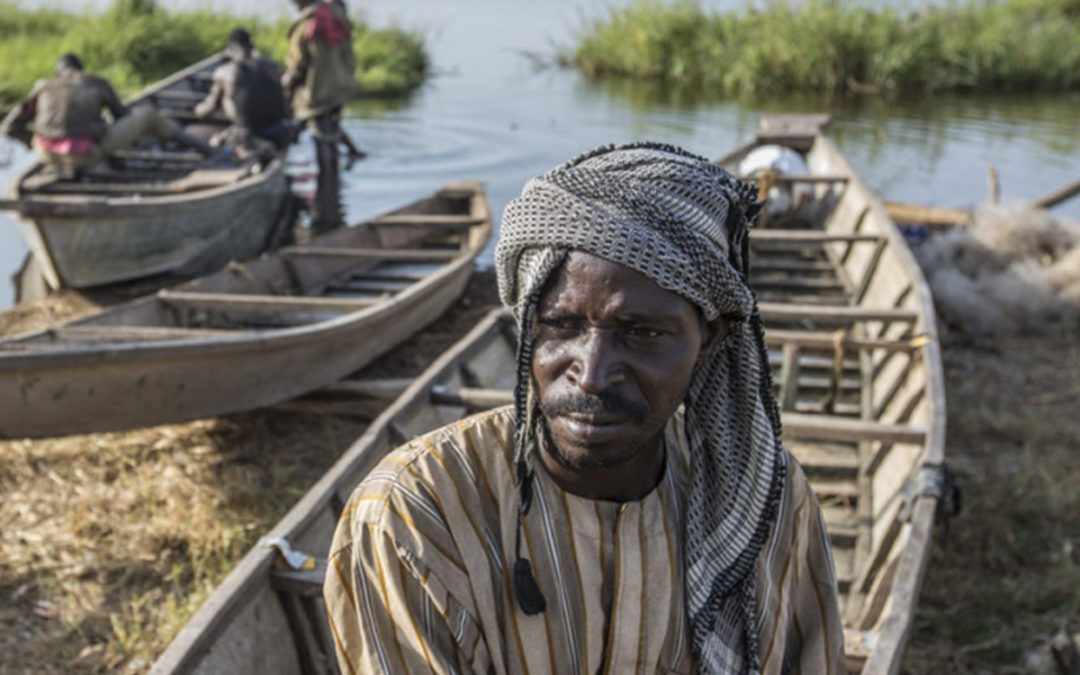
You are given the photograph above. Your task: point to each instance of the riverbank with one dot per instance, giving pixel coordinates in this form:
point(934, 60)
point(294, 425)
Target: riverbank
point(1005, 574)
point(833, 47)
point(108, 542)
point(135, 43)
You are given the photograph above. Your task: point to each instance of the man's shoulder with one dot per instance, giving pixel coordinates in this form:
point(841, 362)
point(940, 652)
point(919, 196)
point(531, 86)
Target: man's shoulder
point(97, 82)
point(448, 459)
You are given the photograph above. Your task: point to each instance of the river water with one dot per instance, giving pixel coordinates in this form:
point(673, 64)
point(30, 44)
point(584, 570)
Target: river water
point(490, 113)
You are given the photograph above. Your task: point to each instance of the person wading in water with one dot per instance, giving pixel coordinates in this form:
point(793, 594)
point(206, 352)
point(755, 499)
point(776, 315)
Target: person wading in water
point(319, 79)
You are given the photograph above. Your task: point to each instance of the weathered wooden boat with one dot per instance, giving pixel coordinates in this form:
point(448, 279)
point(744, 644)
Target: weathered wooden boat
point(850, 327)
point(251, 334)
point(153, 210)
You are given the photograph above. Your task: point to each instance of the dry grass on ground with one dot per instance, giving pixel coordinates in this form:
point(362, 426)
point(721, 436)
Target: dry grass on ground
point(1005, 575)
point(108, 542)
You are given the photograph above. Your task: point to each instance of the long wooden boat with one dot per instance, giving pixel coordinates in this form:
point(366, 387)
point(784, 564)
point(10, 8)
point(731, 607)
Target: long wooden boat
point(251, 334)
point(850, 327)
point(153, 210)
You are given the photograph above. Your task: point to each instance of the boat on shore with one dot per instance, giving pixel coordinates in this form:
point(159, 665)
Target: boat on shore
point(857, 373)
point(252, 334)
point(151, 211)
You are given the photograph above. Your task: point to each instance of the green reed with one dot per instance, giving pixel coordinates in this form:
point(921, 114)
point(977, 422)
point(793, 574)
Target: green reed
point(135, 43)
point(835, 47)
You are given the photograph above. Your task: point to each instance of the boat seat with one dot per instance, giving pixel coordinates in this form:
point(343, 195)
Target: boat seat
point(809, 236)
point(424, 219)
point(840, 314)
point(415, 254)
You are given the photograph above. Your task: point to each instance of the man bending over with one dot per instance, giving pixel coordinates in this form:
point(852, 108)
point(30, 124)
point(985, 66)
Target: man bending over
point(69, 132)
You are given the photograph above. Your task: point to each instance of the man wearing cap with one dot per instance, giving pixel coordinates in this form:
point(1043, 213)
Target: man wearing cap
point(634, 510)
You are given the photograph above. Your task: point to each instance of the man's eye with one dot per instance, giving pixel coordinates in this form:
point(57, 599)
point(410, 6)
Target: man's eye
point(560, 323)
point(644, 332)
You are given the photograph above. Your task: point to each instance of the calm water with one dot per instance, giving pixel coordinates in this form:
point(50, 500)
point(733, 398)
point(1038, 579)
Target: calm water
point(489, 114)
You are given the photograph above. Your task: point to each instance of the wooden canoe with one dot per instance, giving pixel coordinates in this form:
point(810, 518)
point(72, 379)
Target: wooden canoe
point(251, 334)
point(153, 210)
point(850, 327)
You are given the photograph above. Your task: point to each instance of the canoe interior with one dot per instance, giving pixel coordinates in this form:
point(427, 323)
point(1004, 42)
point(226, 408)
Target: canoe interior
point(337, 273)
point(856, 367)
point(150, 168)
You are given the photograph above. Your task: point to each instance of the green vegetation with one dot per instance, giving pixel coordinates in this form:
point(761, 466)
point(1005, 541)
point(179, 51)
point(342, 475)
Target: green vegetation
point(136, 43)
point(835, 47)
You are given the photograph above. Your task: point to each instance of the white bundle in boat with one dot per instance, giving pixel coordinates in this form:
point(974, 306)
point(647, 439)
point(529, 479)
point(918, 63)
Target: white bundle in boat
point(785, 162)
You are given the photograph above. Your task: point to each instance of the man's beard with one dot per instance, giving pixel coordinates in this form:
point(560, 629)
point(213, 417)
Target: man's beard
point(600, 404)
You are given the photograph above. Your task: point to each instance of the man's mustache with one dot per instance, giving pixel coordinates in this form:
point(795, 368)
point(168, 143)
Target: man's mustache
point(606, 403)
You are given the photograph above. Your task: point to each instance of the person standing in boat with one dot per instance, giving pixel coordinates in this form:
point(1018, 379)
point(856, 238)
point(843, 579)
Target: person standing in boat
point(319, 78)
point(69, 132)
point(248, 89)
point(634, 509)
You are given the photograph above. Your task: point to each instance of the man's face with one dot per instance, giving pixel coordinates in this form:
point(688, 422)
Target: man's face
point(613, 354)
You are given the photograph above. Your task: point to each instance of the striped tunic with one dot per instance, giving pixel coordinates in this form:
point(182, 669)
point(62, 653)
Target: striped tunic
point(419, 576)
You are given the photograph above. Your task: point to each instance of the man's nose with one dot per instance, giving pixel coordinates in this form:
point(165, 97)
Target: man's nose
point(595, 367)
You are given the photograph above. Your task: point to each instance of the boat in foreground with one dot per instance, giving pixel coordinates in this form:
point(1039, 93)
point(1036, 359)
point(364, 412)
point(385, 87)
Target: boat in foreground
point(252, 334)
point(852, 341)
point(152, 210)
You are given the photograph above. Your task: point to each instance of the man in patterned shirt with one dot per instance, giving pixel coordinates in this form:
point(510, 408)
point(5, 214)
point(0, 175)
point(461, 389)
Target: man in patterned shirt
point(634, 510)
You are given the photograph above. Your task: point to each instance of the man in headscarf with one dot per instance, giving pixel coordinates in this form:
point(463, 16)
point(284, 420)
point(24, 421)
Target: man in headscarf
point(319, 78)
point(634, 510)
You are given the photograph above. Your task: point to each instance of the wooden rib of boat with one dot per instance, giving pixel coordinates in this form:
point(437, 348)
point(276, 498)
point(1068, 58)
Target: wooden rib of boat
point(852, 341)
point(251, 334)
point(153, 210)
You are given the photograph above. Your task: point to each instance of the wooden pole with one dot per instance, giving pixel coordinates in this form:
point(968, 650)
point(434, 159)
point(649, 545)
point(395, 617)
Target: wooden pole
point(1058, 196)
point(932, 216)
point(993, 184)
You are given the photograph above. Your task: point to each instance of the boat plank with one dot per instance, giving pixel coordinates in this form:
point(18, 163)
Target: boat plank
point(832, 340)
point(418, 254)
point(809, 236)
point(839, 314)
point(260, 303)
point(442, 220)
point(111, 333)
point(830, 428)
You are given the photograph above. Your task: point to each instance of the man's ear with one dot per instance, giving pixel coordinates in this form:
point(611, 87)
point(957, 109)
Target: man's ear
point(715, 332)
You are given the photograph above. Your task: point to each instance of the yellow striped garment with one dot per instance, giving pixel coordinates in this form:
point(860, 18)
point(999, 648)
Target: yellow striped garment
point(419, 578)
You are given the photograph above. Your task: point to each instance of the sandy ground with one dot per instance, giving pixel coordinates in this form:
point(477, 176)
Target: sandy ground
point(108, 542)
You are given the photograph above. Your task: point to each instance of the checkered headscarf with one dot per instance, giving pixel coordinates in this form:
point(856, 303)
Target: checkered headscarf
point(681, 221)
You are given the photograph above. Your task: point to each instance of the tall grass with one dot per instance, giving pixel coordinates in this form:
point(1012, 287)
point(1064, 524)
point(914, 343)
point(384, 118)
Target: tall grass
point(834, 47)
point(135, 43)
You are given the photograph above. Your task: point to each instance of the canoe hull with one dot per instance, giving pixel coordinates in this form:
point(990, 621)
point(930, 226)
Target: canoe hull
point(86, 237)
point(182, 236)
point(157, 360)
point(110, 392)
